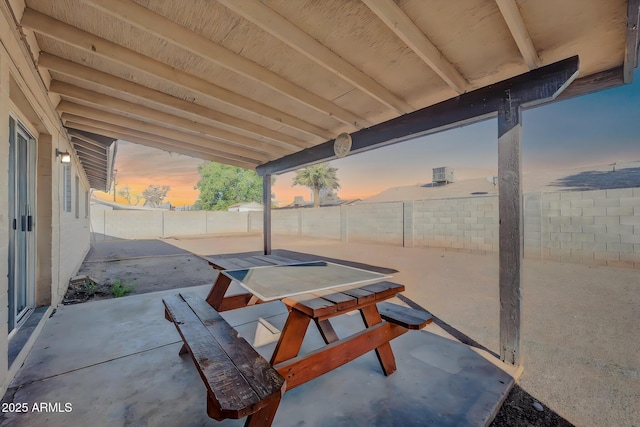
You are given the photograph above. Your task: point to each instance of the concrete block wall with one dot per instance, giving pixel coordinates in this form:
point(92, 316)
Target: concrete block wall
point(286, 221)
point(600, 227)
point(591, 227)
point(183, 223)
point(225, 222)
point(322, 222)
point(133, 224)
point(468, 224)
point(376, 223)
point(255, 221)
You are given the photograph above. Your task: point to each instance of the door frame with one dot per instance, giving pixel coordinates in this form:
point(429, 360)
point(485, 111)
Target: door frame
point(16, 319)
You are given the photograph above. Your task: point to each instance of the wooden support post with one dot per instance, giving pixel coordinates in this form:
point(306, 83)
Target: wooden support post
point(266, 199)
point(511, 232)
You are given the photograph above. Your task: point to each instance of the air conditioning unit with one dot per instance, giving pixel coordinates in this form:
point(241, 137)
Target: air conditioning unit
point(443, 175)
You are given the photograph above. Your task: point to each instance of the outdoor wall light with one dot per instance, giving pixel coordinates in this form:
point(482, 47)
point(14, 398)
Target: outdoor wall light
point(65, 157)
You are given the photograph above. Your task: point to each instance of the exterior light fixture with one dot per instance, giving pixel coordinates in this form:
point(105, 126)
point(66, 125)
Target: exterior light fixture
point(65, 157)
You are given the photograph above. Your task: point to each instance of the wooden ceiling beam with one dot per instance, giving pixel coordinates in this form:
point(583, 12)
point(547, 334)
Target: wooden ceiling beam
point(86, 151)
point(164, 147)
point(398, 22)
point(282, 29)
point(97, 166)
point(87, 74)
point(128, 133)
point(633, 40)
point(533, 88)
point(91, 43)
point(178, 35)
point(512, 16)
point(127, 122)
point(82, 150)
point(99, 147)
point(160, 118)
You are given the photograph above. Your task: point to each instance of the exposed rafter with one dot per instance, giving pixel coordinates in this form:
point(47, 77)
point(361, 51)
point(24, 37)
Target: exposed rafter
point(129, 134)
point(199, 112)
point(91, 43)
point(511, 14)
point(160, 118)
point(97, 114)
point(184, 149)
point(88, 140)
point(276, 25)
point(391, 14)
point(82, 150)
point(168, 30)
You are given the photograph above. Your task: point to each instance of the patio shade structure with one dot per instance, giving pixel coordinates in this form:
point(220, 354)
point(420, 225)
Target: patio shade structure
point(269, 85)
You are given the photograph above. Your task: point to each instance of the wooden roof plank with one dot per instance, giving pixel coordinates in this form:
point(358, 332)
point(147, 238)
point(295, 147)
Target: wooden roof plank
point(279, 27)
point(87, 74)
point(166, 144)
point(127, 134)
point(97, 147)
point(94, 113)
point(178, 35)
point(513, 18)
point(187, 151)
point(162, 118)
point(398, 22)
point(88, 42)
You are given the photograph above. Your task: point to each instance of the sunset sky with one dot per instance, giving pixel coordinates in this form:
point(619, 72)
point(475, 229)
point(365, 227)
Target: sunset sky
point(590, 130)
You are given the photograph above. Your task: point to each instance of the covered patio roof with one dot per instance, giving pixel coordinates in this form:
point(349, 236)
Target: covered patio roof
point(275, 85)
point(246, 83)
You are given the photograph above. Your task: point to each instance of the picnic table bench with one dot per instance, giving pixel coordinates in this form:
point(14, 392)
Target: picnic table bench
point(239, 381)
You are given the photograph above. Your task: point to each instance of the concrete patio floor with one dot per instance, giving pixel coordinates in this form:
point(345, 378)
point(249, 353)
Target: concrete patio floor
point(579, 322)
point(116, 362)
point(579, 338)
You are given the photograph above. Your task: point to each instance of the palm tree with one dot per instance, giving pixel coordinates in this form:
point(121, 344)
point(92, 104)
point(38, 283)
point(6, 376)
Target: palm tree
point(317, 177)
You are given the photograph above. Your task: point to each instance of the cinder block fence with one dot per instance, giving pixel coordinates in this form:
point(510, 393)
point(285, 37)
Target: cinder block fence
point(599, 227)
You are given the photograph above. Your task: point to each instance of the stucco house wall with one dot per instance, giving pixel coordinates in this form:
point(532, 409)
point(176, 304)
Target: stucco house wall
point(61, 236)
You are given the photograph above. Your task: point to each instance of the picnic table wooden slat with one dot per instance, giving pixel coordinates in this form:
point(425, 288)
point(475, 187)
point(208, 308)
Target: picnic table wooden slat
point(341, 300)
point(404, 316)
point(383, 289)
point(231, 390)
point(310, 305)
point(362, 295)
point(265, 382)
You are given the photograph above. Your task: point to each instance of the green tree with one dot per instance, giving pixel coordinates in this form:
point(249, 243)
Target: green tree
point(317, 177)
point(222, 186)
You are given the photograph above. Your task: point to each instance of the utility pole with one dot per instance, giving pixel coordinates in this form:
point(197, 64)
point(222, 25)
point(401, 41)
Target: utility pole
point(115, 183)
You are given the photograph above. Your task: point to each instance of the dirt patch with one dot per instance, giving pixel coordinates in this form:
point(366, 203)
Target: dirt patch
point(84, 288)
point(520, 409)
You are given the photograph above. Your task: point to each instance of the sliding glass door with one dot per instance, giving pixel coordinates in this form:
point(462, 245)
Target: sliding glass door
point(22, 196)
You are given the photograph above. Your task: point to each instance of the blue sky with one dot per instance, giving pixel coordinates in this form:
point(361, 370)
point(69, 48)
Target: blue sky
point(595, 129)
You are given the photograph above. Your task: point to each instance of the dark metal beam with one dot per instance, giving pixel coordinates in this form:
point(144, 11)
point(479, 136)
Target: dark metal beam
point(537, 86)
point(633, 43)
point(266, 200)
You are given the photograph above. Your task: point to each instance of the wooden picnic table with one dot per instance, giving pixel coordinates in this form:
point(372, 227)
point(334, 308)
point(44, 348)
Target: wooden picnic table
point(301, 286)
point(239, 381)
